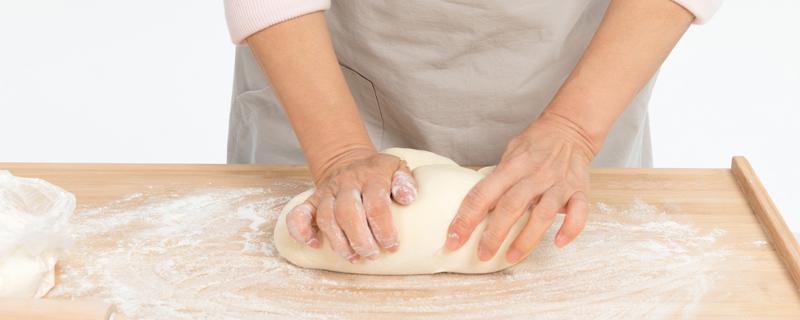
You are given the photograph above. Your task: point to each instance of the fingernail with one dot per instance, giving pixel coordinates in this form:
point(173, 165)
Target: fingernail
point(313, 242)
point(452, 241)
point(392, 247)
point(512, 255)
point(484, 254)
point(352, 257)
point(390, 244)
point(373, 255)
point(403, 190)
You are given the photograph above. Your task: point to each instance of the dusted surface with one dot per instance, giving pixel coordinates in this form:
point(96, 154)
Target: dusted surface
point(750, 281)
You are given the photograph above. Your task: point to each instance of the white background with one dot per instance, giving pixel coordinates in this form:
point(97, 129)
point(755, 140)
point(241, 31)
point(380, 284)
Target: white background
point(150, 81)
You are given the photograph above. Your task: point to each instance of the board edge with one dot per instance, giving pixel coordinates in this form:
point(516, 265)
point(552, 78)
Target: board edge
point(768, 216)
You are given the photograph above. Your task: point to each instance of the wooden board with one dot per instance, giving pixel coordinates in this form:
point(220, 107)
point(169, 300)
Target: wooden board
point(755, 281)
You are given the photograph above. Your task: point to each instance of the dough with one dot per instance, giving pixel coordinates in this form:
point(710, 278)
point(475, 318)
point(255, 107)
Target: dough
point(34, 218)
point(422, 227)
point(26, 276)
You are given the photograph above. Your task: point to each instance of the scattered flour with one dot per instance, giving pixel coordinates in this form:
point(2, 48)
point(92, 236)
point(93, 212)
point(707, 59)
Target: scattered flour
point(207, 254)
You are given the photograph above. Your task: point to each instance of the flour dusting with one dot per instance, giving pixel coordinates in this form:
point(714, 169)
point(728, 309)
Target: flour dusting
point(208, 254)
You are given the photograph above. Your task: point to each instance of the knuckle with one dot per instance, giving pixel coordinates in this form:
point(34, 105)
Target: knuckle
point(510, 206)
point(477, 193)
point(323, 220)
point(580, 197)
point(491, 238)
point(461, 224)
point(296, 227)
point(377, 219)
point(376, 210)
point(380, 233)
point(475, 199)
point(374, 215)
point(544, 214)
point(292, 217)
point(343, 219)
point(314, 198)
point(337, 239)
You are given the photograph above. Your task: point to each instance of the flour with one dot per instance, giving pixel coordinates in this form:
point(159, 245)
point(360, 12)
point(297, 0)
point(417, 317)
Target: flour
point(34, 232)
point(207, 254)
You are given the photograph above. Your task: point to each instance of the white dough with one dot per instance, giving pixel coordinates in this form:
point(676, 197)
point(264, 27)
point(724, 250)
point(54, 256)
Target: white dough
point(25, 276)
point(422, 227)
point(34, 218)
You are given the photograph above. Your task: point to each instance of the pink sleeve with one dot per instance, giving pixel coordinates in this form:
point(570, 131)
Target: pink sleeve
point(246, 17)
point(702, 9)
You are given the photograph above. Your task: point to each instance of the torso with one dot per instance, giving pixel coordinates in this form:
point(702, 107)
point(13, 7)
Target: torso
point(458, 78)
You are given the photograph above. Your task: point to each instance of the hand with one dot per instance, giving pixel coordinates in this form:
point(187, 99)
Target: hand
point(351, 205)
point(545, 167)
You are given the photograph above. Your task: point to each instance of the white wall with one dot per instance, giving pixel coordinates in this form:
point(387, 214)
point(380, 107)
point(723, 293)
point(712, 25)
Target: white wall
point(732, 87)
point(149, 81)
point(114, 81)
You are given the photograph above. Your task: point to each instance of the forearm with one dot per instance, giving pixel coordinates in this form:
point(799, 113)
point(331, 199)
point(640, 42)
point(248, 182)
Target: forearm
point(298, 58)
point(629, 46)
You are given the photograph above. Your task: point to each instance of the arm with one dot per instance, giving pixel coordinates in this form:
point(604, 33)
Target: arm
point(633, 40)
point(546, 166)
point(297, 55)
point(351, 202)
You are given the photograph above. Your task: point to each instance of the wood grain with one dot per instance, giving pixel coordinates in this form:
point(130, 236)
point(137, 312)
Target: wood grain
point(768, 215)
point(49, 309)
point(753, 282)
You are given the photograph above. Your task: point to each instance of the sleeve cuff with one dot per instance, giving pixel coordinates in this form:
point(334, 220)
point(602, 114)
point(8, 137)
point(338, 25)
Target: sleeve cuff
point(246, 17)
point(701, 9)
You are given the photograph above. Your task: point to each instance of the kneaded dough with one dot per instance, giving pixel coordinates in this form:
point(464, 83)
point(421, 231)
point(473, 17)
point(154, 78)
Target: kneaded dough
point(421, 226)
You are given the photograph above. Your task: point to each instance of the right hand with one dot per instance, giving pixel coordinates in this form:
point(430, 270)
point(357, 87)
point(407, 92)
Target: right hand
point(350, 205)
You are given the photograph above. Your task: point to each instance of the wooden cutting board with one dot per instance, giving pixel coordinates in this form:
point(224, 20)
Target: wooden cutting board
point(752, 281)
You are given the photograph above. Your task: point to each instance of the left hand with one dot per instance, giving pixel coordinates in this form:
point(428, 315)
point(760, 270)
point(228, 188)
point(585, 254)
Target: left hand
point(545, 167)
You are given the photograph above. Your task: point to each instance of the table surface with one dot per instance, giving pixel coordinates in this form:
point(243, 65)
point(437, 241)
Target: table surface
point(752, 280)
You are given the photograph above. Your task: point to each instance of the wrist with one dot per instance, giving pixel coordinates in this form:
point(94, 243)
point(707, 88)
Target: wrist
point(592, 119)
point(324, 165)
point(572, 132)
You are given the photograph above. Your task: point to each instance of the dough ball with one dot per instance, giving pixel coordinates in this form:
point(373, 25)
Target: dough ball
point(422, 227)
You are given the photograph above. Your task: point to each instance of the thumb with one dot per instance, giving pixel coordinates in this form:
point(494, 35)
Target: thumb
point(404, 187)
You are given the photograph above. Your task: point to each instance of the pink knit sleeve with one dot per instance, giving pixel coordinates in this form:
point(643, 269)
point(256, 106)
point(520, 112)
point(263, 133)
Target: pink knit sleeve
point(702, 9)
point(246, 17)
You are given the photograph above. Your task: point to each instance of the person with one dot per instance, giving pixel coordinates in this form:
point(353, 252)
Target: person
point(544, 89)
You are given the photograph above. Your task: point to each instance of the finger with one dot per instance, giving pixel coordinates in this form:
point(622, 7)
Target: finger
point(540, 219)
point(300, 222)
point(327, 224)
point(508, 210)
point(475, 206)
point(535, 200)
point(404, 187)
point(577, 210)
point(379, 216)
point(352, 218)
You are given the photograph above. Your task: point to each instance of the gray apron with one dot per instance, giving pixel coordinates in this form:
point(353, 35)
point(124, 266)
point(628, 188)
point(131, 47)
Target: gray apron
point(459, 78)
